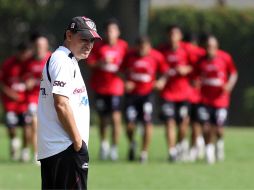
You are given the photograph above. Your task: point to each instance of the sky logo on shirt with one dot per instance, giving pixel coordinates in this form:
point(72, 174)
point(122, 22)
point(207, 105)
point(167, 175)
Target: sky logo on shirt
point(59, 83)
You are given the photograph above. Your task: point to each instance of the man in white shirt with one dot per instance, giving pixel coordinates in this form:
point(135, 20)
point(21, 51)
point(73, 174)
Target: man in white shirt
point(63, 111)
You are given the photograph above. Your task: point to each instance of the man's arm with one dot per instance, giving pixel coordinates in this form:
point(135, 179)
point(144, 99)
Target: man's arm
point(66, 117)
point(231, 82)
point(9, 92)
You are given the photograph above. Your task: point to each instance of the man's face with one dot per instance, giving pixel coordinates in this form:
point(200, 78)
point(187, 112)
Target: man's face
point(174, 35)
point(112, 32)
point(211, 46)
point(79, 46)
point(144, 48)
point(41, 47)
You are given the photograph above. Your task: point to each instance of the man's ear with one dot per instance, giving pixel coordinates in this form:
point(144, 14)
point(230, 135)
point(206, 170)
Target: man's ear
point(68, 35)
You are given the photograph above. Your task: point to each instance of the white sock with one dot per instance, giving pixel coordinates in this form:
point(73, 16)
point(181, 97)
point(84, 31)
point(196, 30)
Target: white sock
point(210, 153)
point(220, 150)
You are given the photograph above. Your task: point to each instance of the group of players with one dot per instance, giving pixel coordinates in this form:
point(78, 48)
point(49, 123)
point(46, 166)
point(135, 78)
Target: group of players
point(194, 82)
point(20, 77)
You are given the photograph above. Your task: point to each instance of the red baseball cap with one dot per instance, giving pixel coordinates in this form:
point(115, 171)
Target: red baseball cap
point(85, 26)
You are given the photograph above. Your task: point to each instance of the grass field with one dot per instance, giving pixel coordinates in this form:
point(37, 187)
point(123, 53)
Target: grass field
point(235, 173)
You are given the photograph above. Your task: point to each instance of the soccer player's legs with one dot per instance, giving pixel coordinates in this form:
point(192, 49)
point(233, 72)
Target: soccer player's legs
point(130, 116)
point(205, 115)
point(32, 113)
point(219, 120)
point(168, 115)
point(145, 110)
point(11, 122)
point(182, 115)
point(115, 105)
point(103, 109)
point(197, 140)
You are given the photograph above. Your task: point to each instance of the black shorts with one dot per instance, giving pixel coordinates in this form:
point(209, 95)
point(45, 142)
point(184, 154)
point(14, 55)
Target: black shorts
point(138, 108)
point(66, 170)
point(174, 110)
point(212, 115)
point(106, 104)
point(13, 119)
point(194, 116)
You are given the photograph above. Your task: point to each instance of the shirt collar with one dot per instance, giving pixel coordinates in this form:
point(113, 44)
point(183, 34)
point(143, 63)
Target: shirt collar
point(67, 51)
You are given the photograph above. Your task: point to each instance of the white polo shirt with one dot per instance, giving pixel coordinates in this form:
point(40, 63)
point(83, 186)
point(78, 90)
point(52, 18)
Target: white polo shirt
point(66, 80)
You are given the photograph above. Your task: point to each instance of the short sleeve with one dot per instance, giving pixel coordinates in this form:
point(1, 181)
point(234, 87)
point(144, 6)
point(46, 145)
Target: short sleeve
point(162, 65)
point(62, 74)
point(230, 65)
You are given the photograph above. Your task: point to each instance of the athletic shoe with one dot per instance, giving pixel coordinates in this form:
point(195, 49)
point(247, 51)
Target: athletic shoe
point(210, 154)
point(114, 153)
point(220, 150)
point(104, 150)
point(144, 157)
point(15, 149)
point(25, 155)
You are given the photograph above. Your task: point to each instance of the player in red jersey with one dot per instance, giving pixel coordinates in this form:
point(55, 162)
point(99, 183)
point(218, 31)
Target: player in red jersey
point(105, 62)
point(194, 99)
point(218, 78)
point(13, 98)
point(140, 68)
point(32, 77)
point(175, 93)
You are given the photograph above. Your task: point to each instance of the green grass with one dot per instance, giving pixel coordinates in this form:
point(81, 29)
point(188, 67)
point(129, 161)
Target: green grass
point(235, 173)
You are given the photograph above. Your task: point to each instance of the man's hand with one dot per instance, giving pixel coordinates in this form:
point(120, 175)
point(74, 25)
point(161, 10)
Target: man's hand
point(183, 70)
point(30, 83)
point(129, 86)
point(160, 83)
point(77, 145)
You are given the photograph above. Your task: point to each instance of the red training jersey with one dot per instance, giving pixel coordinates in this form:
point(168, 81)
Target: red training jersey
point(214, 75)
point(33, 70)
point(11, 76)
point(104, 79)
point(194, 53)
point(141, 70)
point(177, 87)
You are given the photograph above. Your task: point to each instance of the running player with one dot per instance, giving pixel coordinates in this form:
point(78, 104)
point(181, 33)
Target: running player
point(175, 93)
point(218, 78)
point(13, 98)
point(197, 140)
point(32, 79)
point(105, 61)
point(140, 68)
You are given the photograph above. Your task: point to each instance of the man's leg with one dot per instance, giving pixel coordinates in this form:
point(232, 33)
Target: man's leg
point(221, 117)
point(101, 107)
point(104, 144)
point(183, 114)
point(148, 129)
point(115, 108)
point(11, 120)
point(168, 115)
point(171, 139)
point(116, 124)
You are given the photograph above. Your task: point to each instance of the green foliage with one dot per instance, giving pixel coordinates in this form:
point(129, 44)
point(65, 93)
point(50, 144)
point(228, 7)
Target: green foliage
point(235, 31)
